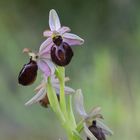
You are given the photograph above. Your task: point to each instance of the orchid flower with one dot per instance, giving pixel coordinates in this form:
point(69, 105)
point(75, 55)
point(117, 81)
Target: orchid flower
point(59, 41)
point(29, 71)
point(57, 30)
point(41, 95)
point(93, 127)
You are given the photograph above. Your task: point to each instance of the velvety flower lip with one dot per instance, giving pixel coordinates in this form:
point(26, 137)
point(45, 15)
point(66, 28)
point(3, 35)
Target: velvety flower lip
point(88, 118)
point(28, 73)
point(57, 29)
point(42, 90)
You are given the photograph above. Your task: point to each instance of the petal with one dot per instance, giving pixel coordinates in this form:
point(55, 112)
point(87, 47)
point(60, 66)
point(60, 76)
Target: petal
point(40, 95)
point(54, 21)
point(39, 86)
point(88, 133)
point(43, 66)
point(48, 42)
point(63, 30)
point(51, 66)
point(106, 130)
point(79, 103)
point(45, 55)
point(95, 113)
point(72, 39)
point(47, 33)
point(57, 90)
point(66, 79)
point(67, 89)
point(54, 80)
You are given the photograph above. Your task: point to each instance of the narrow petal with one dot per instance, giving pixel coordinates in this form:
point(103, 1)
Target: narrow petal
point(47, 33)
point(45, 55)
point(63, 30)
point(79, 103)
point(67, 89)
point(39, 87)
point(72, 39)
point(66, 79)
point(57, 90)
point(43, 66)
point(40, 95)
point(105, 128)
point(95, 113)
point(54, 80)
point(51, 66)
point(45, 44)
point(88, 133)
point(54, 21)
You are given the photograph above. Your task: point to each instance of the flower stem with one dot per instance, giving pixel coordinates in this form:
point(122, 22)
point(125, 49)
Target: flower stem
point(80, 126)
point(61, 76)
point(71, 133)
point(73, 136)
point(66, 109)
point(54, 101)
point(70, 112)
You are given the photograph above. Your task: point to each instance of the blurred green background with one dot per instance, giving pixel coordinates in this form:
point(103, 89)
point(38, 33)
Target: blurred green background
point(107, 67)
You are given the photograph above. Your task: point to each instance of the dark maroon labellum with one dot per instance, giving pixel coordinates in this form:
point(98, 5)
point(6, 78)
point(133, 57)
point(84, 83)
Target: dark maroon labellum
point(61, 55)
point(28, 73)
point(57, 40)
point(45, 101)
point(96, 131)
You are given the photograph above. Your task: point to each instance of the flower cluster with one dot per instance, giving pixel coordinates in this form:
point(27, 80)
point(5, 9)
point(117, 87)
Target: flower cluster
point(56, 49)
point(53, 55)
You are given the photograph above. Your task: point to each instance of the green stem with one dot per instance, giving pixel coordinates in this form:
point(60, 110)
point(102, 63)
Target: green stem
point(61, 76)
point(73, 136)
point(63, 111)
point(72, 133)
point(70, 113)
point(54, 101)
point(80, 126)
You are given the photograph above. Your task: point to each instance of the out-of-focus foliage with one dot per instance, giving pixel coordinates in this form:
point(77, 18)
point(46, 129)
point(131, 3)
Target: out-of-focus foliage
point(107, 67)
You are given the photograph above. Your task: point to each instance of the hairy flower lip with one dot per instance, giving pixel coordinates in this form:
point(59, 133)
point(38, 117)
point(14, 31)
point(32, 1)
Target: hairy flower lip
point(28, 73)
point(61, 55)
point(96, 131)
